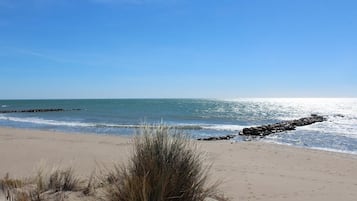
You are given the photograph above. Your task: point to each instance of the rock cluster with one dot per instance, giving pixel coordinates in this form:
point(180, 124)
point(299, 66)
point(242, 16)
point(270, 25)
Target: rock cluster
point(281, 126)
point(34, 110)
point(226, 137)
point(261, 131)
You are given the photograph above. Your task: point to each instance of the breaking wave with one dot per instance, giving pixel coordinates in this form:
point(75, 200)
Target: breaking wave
point(41, 121)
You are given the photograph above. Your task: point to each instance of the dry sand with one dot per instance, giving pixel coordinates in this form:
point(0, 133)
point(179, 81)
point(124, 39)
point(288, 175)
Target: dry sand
point(249, 170)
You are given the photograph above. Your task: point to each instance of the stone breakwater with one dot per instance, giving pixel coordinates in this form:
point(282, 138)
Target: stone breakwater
point(36, 110)
point(281, 126)
point(264, 130)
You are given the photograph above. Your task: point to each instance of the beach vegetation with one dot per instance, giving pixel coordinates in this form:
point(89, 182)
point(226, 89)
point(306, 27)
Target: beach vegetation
point(165, 165)
point(8, 182)
point(58, 180)
point(44, 186)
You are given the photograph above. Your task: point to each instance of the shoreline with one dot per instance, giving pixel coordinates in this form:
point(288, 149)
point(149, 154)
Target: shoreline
point(248, 170)
point(128, 136)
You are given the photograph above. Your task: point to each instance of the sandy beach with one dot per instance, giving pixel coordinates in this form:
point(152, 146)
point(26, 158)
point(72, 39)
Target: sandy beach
point(248, 171)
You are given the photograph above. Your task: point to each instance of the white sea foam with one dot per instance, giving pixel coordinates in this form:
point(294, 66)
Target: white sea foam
point(4, 106)
point(34, 120)
point(316, 148)
point(224, 127)
point(40, 121)
point(337, 125)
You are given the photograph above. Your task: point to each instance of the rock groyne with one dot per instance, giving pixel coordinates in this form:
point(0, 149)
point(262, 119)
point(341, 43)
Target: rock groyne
point(37, 110)
point(264, 130)
point(281, 126)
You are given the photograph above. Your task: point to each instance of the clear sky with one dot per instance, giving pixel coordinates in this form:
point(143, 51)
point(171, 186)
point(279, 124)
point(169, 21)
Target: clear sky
point(177, 48)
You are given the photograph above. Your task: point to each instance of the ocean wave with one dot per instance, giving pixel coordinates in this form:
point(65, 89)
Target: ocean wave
point(40, 121)
point(45, 121)
point(185, 127)
point(224, 127)
point(312, 147)
point(4, 106)
point(346, 126)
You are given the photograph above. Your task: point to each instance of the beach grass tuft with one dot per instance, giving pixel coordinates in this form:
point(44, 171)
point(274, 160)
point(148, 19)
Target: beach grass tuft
point(63, 180)
point(165, 165)
point(8, 182)
point(57, 180)
point(46, 185)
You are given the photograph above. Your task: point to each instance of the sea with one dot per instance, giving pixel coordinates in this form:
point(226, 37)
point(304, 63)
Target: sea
point(196, 117)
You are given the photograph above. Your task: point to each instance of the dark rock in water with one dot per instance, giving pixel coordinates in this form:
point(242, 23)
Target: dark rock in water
point(36, 110)
point(226, 137)
point(282, 126)
point(339, 115)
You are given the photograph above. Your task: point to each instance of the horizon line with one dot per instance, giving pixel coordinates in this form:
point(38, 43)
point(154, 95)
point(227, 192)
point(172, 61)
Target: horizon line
point(168, 98)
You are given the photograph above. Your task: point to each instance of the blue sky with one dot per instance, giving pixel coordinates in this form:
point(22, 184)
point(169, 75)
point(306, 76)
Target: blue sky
point(177, 48)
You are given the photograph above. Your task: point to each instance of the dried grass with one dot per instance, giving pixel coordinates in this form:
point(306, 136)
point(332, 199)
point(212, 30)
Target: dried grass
point(165, 166)
point(43, 186)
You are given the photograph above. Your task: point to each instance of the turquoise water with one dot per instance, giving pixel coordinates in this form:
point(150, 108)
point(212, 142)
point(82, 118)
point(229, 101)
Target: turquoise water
point(197, 117)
